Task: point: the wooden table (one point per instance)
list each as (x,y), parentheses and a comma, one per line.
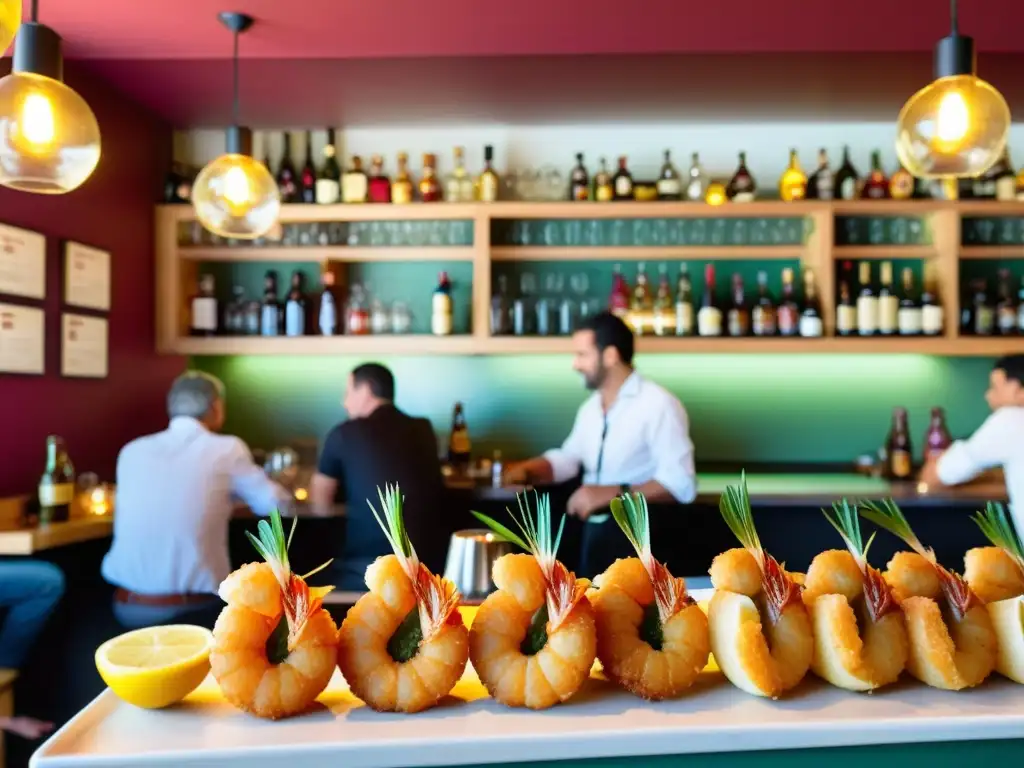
(16,539)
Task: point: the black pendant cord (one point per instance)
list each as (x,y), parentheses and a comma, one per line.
(235,108)
(35,11)
(954,17)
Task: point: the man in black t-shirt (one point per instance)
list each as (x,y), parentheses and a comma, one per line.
(380,444)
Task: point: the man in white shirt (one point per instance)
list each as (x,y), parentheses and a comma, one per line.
(630,435)
(999,441)
(175,492)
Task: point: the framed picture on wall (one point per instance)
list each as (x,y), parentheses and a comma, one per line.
(22,339)
(83,346)
(86,277)
(22,262)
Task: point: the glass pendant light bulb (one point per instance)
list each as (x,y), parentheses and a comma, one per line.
(235,196)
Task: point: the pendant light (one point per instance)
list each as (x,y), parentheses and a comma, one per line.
(10,20)
(49,138)
(235,195)
(958,125)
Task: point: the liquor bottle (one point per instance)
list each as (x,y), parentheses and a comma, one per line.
(579,180)
(741,187)
(204,308)
(286,173)
(253,317)
(357,312)
(846,310)
(669,186)
(763,316)
(488,183)
(789,311)
(640,305)
(603,188)
(888,303)
(1006,306)
(328,183)
(327,314)
(933,320)
(867,303)
(899,453)
(295,307)
(430,187)
(441,307)
(793,182)
(401,187)
(355,183)
(979,314)
(684,303)
(234,313)
(910,320)
(664,315)
(876,186)
(379,184)
(738,318)
(937,439)
(57,484)
(501,317)
(697,184)
(459,447)
(618,301)
(270,309)
(821,184)
(902,184)
(847,179)
(709,317)
(307,176)
(622,183)
(458,185)
(1005,179)
(811,325)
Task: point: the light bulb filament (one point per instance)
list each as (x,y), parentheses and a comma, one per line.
(953,118)
(37,123)
(237,190)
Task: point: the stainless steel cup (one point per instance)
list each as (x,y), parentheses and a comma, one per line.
(471,553)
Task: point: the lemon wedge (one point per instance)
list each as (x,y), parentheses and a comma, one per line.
(155,666)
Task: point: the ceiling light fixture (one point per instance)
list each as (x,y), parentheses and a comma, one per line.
(10,20)
(958,125)
(49,138)
(235,196)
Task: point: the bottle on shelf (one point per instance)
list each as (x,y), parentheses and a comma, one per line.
(788,313)
(603,187)
(793,182)
(937,439)
(846,310)
(684,302)
(738,317)
(579,180)
(888,303)
(327,313)
(501,315)
(1005,178)
(379,185)
(640,305)
(821,184)
(619,300)
(1006,307)
(763,319)
(328,183)
(664,313)
(234,313)
(459,447)
(459,184)
(622,183)
(430,187)
(697,182)
(847,180)
(811,325)
(270,309)
(876,186)
(380,318)
(57,484)
(286,184)
(933,320)
(401,187)
(307,176)
(204,308)
(357,312)
(295,306)
(900,456)
(253,317)
(741,187)
(669,186)
(709,316)
(910,318)
(488,183)
(979,315)
(867,303)
(441,307)
(902,184)
(1020,307)
(355,183)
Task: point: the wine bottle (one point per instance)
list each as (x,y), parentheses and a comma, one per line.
(669,186)
(741,187)
(459,446)
(937,439)
(307,177)
(640,304)
(876,186)
(902,184)
(709,317)
(663,314)
(619,299)
(738,319)
(898,448)
(328,183)
(355,183)
(888,304)
(286,173)
(579,181)
(821,184)
(697,184)
(441,307)
(459,184)
(1006,307)
(430,187)
(763,315)
(622,183)
(401,187)
(847,179)
(1006,180)
(270,309)
(789,311)
(327,316)
(846,310)
(57,485)
(204,308)
(379,185)
(933,321)
(910,315)
(295,307)
(867,303)
(684,303)
(811,325)
(488,183)
(793,182)
(603,189)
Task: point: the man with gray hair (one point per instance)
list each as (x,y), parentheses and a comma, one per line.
(175,497)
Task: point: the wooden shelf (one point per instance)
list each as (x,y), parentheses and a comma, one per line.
(643,252)
(882,252)
(343,253)
(383,344)
(992,252)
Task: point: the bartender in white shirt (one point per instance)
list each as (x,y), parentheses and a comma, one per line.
(998,442)
(175,497)
(630,435)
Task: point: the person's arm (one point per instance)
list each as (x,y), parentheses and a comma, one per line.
(251,484)
(26,727)
(675,477)
(329,476)
(985,449)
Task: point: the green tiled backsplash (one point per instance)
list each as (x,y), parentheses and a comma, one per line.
(882,230)
(722,232)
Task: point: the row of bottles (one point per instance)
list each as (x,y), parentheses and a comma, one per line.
(867,308)
(897,453)
(981,315)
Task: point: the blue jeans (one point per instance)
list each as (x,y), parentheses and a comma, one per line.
(29,591)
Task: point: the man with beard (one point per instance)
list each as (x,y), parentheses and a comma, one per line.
(629,435)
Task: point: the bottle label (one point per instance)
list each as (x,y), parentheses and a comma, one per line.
(764,322)
(270,320)
(669,187)
(604,193)
(737,323)
(623,186)
(459,443)
(826,184)
(294,319)
(848,189)
(811,326)
(695,190)
(789,321)
(488,187)
(932,319)
(911,321)
(984,321)
(901,186)
(204,313)
(743,197)
(846,318)
(901,464)
(358,321)
(328,315)
(401,192)
(379,320)
(441,316)
(867,315)
(1007,319)
(888,310)
(709,321)
(684,318)
(354,188)
(328,191)
(1006,187)
(54,495)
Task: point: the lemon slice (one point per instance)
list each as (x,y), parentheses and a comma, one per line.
(155,666)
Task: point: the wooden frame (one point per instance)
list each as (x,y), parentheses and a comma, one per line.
(96,297)
(176,272)
(27,277)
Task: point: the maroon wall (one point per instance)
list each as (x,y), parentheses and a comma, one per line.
(113,210)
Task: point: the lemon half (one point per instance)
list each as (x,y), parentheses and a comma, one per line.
(156,666)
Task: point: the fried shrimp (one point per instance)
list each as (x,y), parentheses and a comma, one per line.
(860,639)
(760,629)
(533,641)
(952,641)
(274,645)
(1002,579)
(652,638)
(403,645)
